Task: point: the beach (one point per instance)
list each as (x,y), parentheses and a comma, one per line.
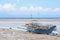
(10,34)
(16,23)
(18,30)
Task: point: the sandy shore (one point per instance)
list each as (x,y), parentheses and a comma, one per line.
(10,34)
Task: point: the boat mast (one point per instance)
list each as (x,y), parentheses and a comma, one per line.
(31,17)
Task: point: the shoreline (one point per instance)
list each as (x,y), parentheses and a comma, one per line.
(29,20)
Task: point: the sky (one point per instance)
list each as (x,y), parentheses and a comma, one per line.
(26,8)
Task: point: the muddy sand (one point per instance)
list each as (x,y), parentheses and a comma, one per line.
(11,34)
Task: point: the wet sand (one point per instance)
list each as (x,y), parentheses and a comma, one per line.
(11,34)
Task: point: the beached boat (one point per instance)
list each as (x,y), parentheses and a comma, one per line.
(40,28)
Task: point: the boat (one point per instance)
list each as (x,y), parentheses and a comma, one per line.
(36,27)
(40,28)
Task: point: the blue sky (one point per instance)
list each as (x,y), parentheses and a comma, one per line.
(24,8)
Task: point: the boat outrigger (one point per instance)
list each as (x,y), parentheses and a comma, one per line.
(36,27)
(39,28)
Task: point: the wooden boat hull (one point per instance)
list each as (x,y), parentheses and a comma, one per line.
(41,31)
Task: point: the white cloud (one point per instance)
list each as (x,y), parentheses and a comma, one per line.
(31,8)
(8,7)
(0,7)
(56,10)
(12,7)
(23,9)
(35,9)
(40,8)
(48,9)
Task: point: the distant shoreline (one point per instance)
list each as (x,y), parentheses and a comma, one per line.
(29,18)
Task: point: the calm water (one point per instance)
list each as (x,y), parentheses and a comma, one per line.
(18,24)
